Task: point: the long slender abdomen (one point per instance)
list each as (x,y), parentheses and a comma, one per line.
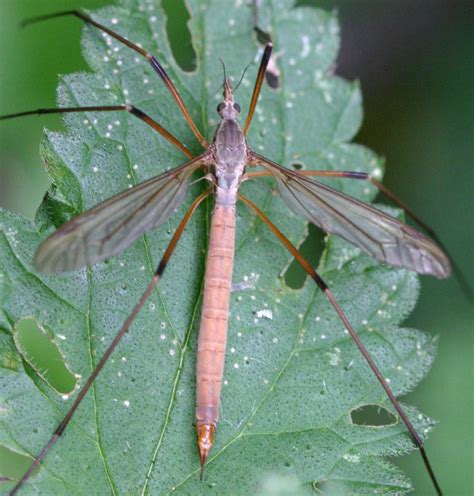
(214,322)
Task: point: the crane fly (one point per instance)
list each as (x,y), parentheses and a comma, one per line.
(225,163)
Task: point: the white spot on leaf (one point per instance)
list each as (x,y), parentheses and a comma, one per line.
(267,313)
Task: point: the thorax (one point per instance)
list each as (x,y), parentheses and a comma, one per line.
(230,158)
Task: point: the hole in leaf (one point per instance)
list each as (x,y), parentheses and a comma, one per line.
(312,248)
(179,36)
(372,416)
(297,165)
(43,355)
(329,488)
(12,464)
(272,74)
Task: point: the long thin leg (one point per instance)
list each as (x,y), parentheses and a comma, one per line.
(113,108)
(157,67)
(258,84)
(125,327)
(364,176)
(324,288)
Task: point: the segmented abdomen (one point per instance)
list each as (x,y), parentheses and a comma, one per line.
(214,319)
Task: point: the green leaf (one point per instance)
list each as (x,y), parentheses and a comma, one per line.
(293,376)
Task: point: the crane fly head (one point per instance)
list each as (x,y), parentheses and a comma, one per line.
(228,109)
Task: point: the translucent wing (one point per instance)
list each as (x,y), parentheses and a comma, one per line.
(111,226)
(375,232)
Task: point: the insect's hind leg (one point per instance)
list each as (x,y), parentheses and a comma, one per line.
(329,295)
(106,108)
(157,67)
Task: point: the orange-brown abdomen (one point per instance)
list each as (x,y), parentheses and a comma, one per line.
(214,322)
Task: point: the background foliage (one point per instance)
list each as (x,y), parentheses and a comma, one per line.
(416,115)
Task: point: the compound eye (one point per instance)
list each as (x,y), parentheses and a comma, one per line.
(237,107)
(220,107)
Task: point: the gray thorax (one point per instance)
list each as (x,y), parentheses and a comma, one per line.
(230,154)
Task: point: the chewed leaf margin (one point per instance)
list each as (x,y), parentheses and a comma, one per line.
(292,374)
